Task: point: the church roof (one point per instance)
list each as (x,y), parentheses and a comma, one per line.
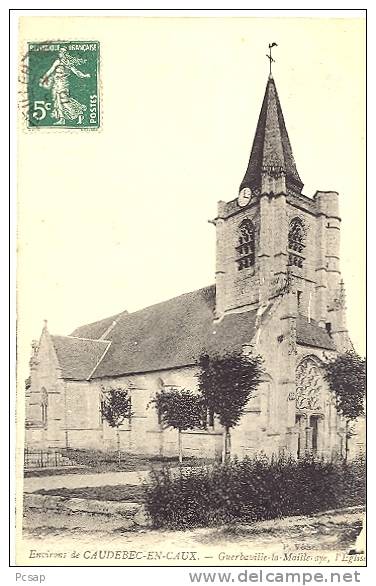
(78,357)
(96,329)
(271,150)
(171,334)
(167,335)
(309,333)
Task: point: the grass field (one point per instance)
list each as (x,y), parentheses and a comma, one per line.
(93,461)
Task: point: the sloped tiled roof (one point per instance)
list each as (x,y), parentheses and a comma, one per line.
(271,149)
(96,329)
(78,357)
(311,334)
(172,334)
(167,335)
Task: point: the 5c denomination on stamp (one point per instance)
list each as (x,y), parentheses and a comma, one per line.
(63,84)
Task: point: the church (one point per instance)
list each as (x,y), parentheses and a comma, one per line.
(278,293)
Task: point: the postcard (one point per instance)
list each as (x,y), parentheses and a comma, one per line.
(191,291)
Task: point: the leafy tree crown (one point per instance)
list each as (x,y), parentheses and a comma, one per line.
(179,408)
(346,376)
(116,406)
(227,383)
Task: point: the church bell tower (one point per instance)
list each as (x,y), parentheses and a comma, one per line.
(272,233)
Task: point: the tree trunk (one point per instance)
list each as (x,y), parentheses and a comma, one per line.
(346,439)
(180,443)
(225,438)
(118,445)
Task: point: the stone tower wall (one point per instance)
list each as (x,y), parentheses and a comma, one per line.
(318,280)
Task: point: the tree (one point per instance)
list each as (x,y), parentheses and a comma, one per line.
(226,384)
(116,407)
(346,376)
(181,409)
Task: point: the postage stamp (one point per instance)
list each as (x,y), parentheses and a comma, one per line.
(62,84)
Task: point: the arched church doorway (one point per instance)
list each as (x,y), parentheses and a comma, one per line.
(310,416)
(309,434)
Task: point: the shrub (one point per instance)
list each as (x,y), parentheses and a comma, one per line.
(251,490)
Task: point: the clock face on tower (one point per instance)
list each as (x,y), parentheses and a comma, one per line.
(245,196)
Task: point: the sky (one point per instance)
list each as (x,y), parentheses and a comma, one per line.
(117,218)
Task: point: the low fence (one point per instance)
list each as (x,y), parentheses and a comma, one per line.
(34,458)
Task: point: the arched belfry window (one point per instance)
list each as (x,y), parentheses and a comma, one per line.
(246,245)
(296,244)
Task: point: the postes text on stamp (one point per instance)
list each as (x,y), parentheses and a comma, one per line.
(62,85)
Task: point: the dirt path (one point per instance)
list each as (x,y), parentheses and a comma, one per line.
(316,539)
(32,484)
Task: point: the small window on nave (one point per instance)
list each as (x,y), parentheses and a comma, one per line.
(296,242)
(44,407)
(299,300)
(246,245)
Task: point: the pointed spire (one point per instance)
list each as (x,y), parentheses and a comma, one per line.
(271,151)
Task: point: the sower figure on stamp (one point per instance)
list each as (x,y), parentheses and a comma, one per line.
(57,79)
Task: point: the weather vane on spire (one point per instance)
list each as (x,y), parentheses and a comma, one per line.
(271,60)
